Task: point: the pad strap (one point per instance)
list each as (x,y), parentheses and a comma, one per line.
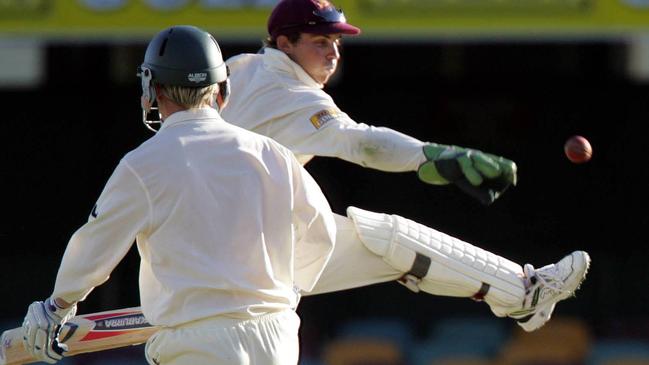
(479,296)
(420,266)
(419,269)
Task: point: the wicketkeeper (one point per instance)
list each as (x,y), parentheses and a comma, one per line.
(278,93)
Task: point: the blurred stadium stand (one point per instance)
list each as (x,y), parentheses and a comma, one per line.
(619,351)
(563,341)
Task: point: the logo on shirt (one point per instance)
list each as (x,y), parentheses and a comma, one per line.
(322,117)
(197,76)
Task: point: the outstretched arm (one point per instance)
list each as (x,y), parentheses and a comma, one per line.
(481,175)
(378,148)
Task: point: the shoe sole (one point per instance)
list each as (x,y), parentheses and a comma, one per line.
(585,257)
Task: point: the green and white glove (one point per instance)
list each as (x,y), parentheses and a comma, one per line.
(482,175)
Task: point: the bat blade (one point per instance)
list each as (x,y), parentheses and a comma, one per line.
(85,333)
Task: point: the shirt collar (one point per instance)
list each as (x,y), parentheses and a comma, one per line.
(190,114)
(278,60)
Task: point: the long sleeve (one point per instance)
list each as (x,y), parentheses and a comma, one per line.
(379,148)
(99,245)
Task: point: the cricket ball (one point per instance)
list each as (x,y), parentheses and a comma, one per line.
(578,149)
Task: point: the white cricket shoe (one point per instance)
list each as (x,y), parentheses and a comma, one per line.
(549,285)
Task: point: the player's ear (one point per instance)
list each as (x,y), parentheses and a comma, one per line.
(159,93)
(284,44)
(223,94)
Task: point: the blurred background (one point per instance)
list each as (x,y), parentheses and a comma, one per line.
(511,77)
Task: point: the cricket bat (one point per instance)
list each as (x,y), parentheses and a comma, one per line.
(85,333)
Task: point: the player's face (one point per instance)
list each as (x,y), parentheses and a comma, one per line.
(317,54)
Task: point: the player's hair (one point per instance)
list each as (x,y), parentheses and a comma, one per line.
(191,97)
(293,37)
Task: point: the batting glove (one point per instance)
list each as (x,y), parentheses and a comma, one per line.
(41,329)
(483,176)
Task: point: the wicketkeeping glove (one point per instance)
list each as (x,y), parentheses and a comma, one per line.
(481,175)
(41,329)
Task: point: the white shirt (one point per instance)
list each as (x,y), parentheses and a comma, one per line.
(274,96)
(227,223)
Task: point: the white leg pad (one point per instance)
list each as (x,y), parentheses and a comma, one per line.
(454,268)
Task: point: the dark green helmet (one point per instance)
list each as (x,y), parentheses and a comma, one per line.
(185,56)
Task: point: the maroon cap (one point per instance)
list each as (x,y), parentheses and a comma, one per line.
(308,16)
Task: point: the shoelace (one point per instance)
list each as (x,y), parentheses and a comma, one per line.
(547,279)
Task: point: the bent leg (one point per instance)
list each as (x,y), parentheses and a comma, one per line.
(374,247)
(351,264)
(439,264)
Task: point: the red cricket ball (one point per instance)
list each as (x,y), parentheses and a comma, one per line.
(578,149)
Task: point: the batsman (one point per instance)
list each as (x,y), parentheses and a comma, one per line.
(229,226)
(278,92)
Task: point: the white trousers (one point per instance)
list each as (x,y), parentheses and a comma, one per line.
(351,264)
(271,339)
